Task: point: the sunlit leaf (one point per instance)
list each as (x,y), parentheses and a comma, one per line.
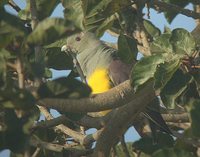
(182,41)
(145,69)
(161,44)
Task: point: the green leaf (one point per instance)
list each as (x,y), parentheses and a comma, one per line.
(13,21)
(10,27)
(190,93)
(64,88)
(17,98)
(145,69)
(183,42)
(13,137)
(16,134)
(164,73)
(127,49)
(44,9)
(146,145)
(97,12)
(195,117)
(120,151)
(58,60)
(151,28)
(50,30)
(127,19)
(106,24)
(161,44)
(74,12)
(174,88)
(172,152)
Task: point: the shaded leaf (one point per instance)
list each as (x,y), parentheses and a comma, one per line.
(74,12)
(190,93)
(16,134)
(182,41)
(147,146)
(174,88)
(64,88)
(44,9)
(106,24)
(13,137)
(50,30)
(120,151)
(195,117)
(58,60)
(14,22)
(97,12)
(17,98)
(172,152)
(151,29)
(127,49)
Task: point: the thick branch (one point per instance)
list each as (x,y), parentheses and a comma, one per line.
(115,97)
(117,125)
(176,118)
(162,6)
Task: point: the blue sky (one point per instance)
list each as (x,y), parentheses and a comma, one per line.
(180,21)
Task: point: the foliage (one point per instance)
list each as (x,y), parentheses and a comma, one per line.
(28,53)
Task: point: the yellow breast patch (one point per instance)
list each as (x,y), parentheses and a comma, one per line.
(99,81)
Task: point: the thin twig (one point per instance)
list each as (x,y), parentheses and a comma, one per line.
(34,15)
(19,68)
(37,151)
(14,5)
(57,147)
(124,147)
(76,135)
(11,65)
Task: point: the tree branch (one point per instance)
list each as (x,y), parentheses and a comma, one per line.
(76,135)
(128,113)
(14,5)
(115,97)
(176,118)
(57,147)
(162,6)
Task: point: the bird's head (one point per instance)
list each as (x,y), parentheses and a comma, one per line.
(77,43)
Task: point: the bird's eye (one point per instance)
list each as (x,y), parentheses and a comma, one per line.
(78,39)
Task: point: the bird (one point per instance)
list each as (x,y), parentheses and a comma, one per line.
(103,69)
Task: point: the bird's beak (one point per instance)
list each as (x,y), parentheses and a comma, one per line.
(64,48)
